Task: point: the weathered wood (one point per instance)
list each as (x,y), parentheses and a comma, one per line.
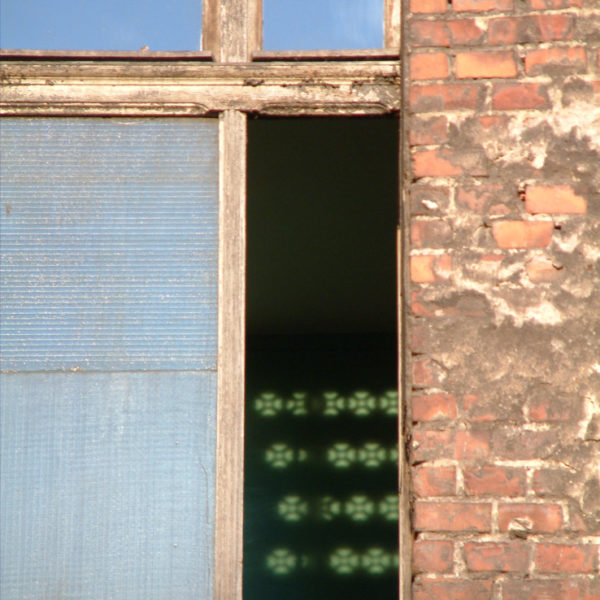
(326,55)
(404,527)
(231,357)
(96,55)
(392,12)
(172,88)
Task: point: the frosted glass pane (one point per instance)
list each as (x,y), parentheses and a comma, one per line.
(323,24)
(101,25)
(108,339)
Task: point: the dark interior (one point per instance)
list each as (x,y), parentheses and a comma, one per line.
(321,457)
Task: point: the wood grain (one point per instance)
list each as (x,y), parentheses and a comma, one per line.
(231,357)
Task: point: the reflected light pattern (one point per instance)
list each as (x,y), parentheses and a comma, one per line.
(361,403)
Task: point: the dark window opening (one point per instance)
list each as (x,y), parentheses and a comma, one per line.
(321,504)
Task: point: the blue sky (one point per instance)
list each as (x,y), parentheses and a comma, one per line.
(176,24)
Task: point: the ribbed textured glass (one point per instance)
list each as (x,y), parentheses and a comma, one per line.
(108,287)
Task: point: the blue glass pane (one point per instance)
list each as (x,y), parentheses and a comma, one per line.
(100,25)
(323,24)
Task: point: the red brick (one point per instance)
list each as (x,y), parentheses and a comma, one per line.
(542,518)
(504,30)
(554,199)
(482,5)
(449,162)
(429,233)
(430,65)
(434,556)
(472,444)
(434,481)
(452,516)
(432,444)
(504,557)
(432,407)
(449,589)
(566,558)
(549,60)
(550,589)
(522,234)
(493,480)
(439,97)
(428,131)
(465,31)
(429,268)
(435,163)
(545,4)
(542,270)
(428,6)
(554,27)
(508,96)
(485,65)
(446,33)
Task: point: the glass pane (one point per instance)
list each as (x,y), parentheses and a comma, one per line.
(100,24)
(323,24)
(108,289)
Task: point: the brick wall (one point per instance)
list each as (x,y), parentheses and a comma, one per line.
(503,190)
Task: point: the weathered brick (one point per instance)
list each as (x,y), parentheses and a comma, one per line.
(566,558)
(429,200)
(434,480)
(475,408)
(466,32)
(430,444)
(429,33)
(428,6)
(429,65)
(435,163)
(524,95)
(434,556)
(530,28)
(485,65)
(429,268)
(432,407)
(493,480)
(554,199)
(472,444)
(424,131)
(426,373)
(515,443)
(552,482)
(482,5)
(542,270)
(535,518)
(439,97)
(449,589)
(552,60)
(550,4)
(504,557)
(452,516)
(550,589)
(545,407)
(522,234)
(429,233)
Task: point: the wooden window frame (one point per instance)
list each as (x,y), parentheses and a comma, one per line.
(229,78)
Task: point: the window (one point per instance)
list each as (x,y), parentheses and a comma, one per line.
(231,79)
